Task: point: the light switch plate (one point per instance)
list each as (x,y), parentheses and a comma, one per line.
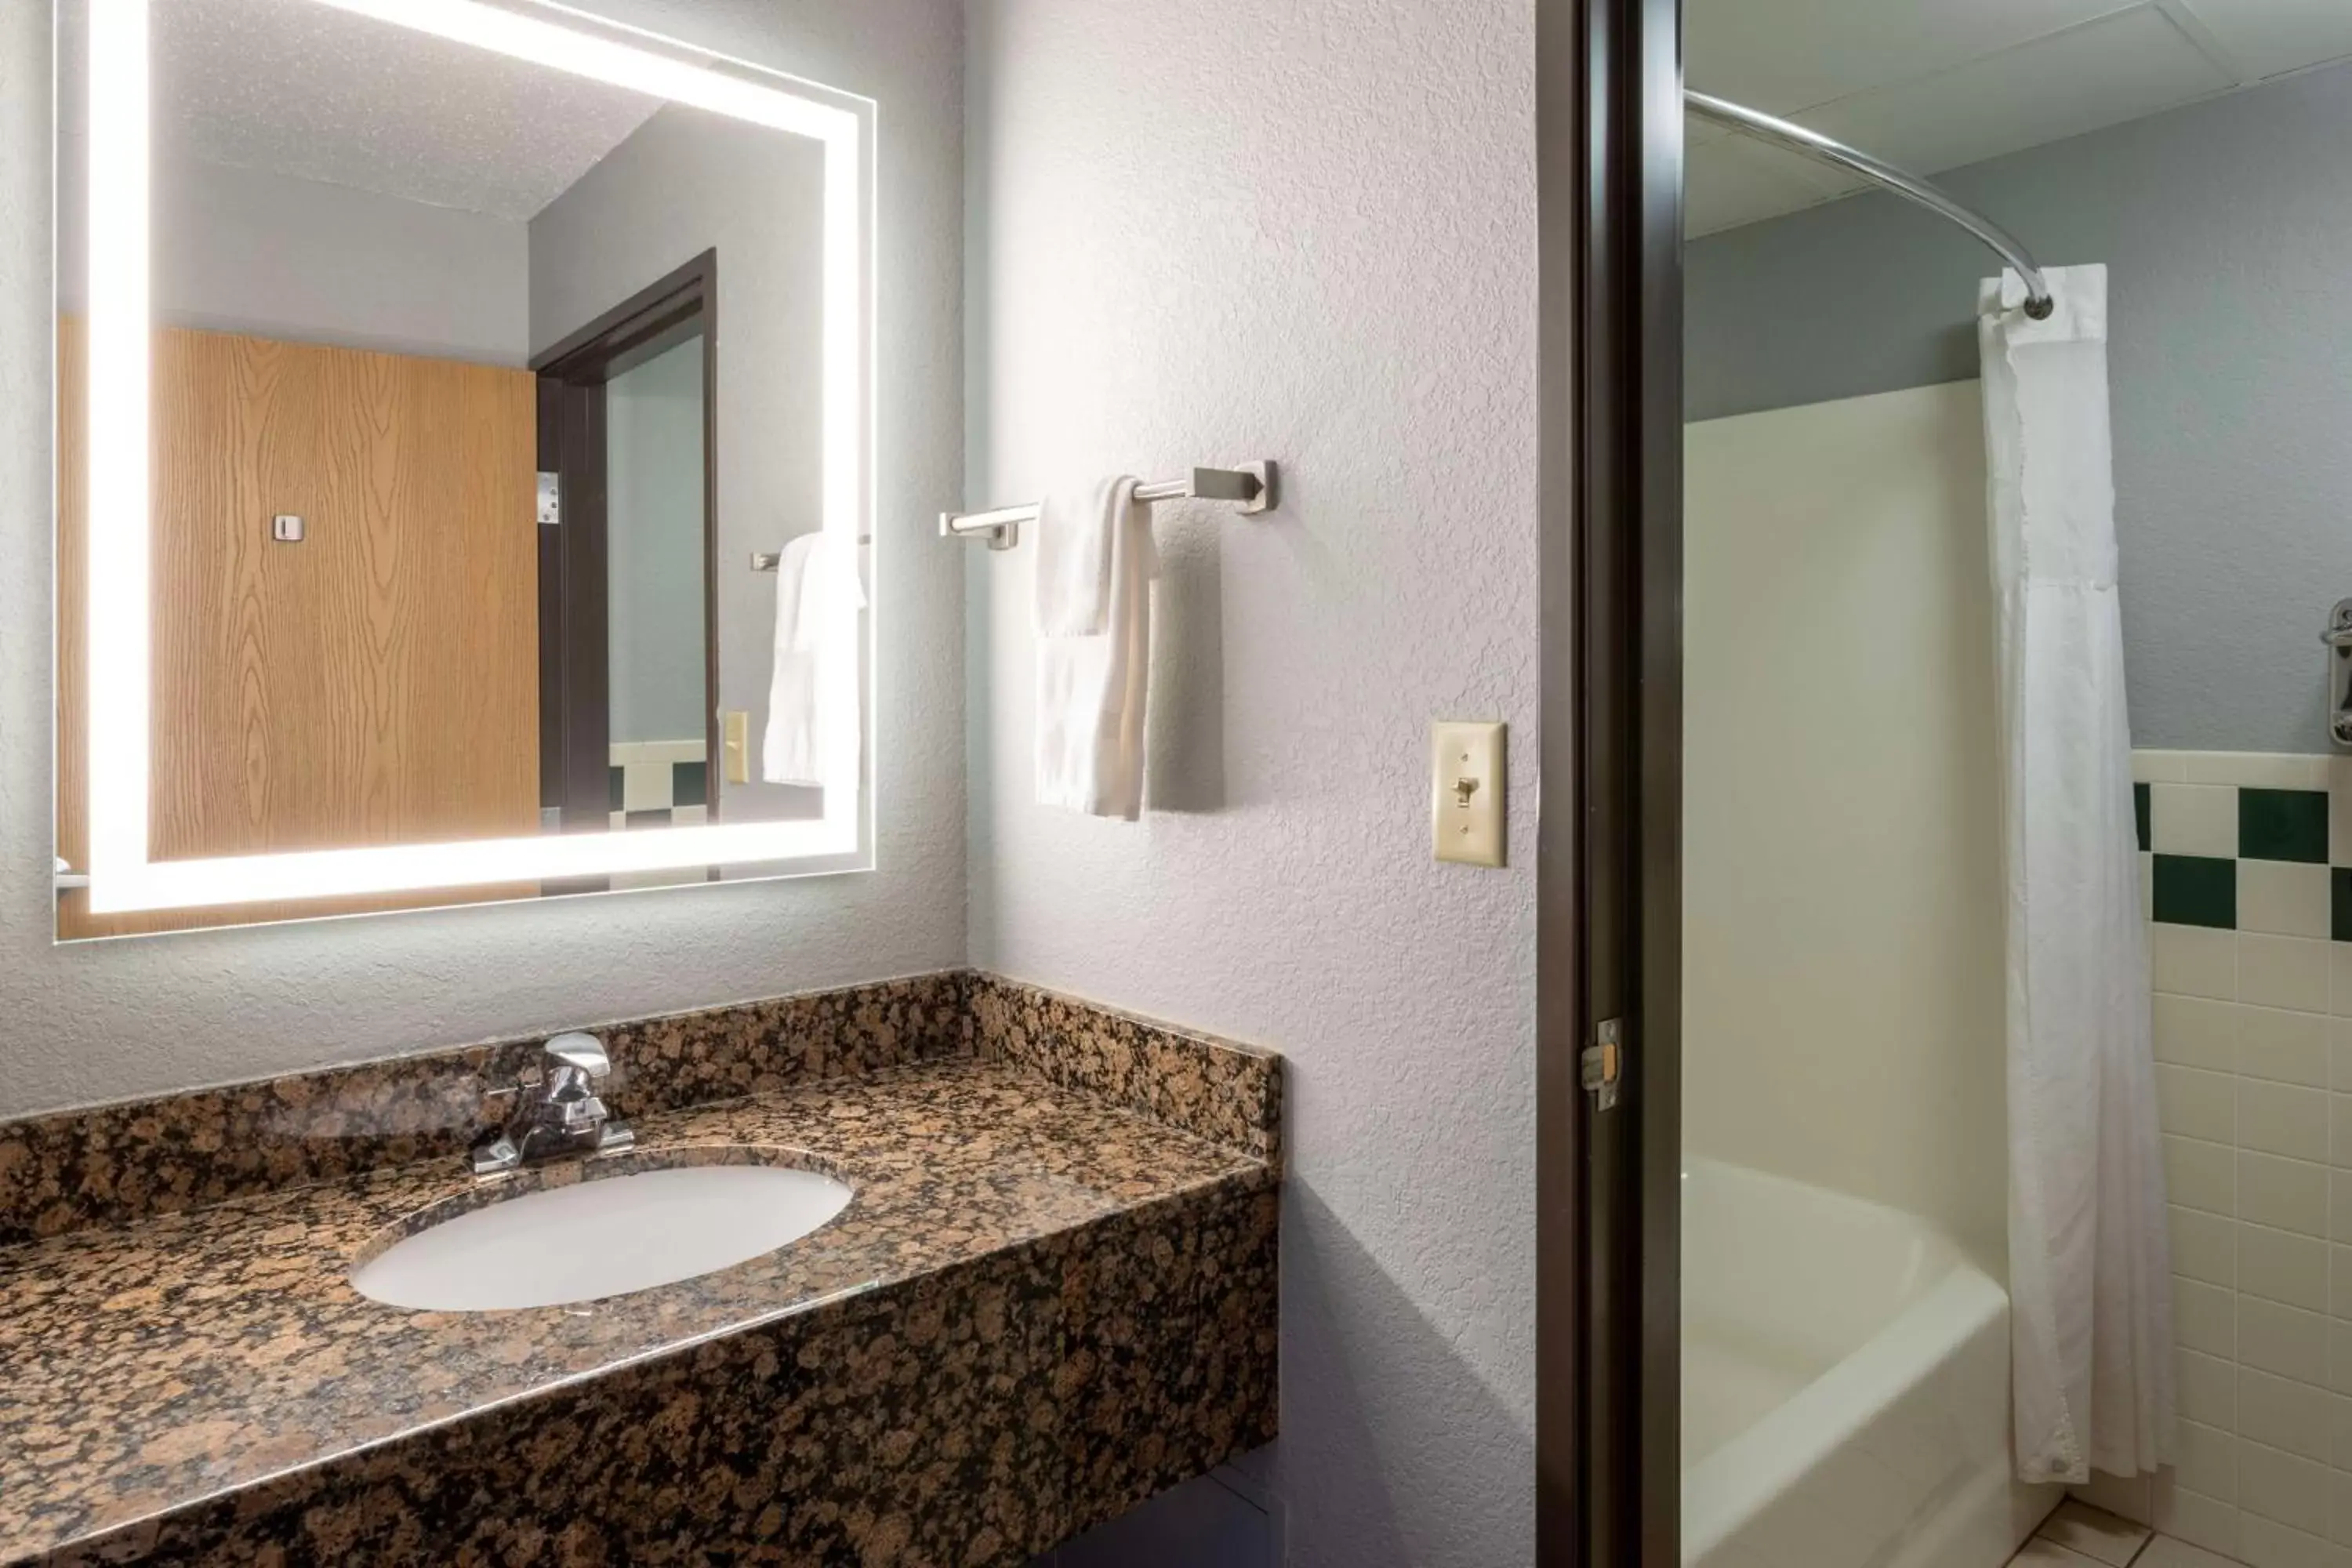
(1466,787)
(735,739)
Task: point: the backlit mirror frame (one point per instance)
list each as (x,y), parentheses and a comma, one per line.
(122,878)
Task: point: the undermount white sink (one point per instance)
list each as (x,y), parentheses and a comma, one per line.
(609,1237)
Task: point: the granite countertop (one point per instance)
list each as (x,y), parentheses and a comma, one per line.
(147,1367)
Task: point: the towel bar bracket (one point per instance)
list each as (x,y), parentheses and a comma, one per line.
(1252,489)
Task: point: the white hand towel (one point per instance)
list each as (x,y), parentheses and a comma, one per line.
(1074,559)
(1095,561)
(814,733)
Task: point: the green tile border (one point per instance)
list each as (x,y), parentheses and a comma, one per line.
(2197,890)
(2283,824)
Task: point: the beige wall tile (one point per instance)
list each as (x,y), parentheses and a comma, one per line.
(2284,1119)
(2204,1247)
(2195,1518)
(2287,1047)
(2279,1266)
(2209,1461)
(2339,1042)
(2284,1487)
(2281,1413)
(2190,961)
(2283,896)
(2159,767)
(2198,1032)
(2283,971)
(2266,1543)
(2201,1175)
(2208,1389)
(2205,1317)
(2193,819)
(2255,770)
(2197,1104)
(2339,978)
(2286,1194)
(2283,1340)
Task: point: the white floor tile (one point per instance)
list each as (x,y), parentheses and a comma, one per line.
(2041,1553)
(2094,1534)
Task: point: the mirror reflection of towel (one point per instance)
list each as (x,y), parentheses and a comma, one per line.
(813,737)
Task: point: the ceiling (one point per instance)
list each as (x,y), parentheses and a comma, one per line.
(302,88)
(1931,85)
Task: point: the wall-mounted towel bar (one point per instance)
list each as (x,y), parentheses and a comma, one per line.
(770,559)
(1252,487)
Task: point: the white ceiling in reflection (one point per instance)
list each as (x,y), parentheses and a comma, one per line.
(293,87)
(1936,84)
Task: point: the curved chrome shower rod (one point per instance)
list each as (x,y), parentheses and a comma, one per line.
(1814,144)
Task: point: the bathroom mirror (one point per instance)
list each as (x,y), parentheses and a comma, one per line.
(464,481)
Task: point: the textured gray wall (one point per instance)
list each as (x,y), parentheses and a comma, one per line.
(2227,231)
(102,1020)
(1304,231)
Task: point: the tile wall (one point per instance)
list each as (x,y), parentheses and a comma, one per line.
(660,784)
(2248,879)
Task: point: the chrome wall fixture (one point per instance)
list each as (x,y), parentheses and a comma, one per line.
(774,560)
(1251,486)
(2338,638)
(1811,143)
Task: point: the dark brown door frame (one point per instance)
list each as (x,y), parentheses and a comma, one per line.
(1608,1445)
(575,755)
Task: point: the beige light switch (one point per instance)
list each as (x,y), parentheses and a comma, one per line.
(1466,789)
(736,742)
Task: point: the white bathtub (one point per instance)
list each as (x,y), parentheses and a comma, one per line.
(1845,1386)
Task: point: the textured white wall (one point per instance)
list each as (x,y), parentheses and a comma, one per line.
(1305,231)
(98,1021)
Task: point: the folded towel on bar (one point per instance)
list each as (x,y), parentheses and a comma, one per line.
(814,733)
(1095,561)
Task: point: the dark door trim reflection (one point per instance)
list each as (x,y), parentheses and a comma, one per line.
(1609,883)
(575,713)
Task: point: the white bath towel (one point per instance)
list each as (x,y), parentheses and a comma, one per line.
(1095,561)
(814,733)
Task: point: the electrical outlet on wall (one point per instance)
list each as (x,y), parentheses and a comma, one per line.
(1466,787)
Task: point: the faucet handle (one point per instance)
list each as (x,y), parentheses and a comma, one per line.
(584,1053)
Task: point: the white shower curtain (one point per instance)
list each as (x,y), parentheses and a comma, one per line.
(2090,1274)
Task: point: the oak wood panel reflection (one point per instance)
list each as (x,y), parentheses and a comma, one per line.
(376,683)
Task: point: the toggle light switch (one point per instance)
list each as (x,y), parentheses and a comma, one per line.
(1466,793)
(735,742)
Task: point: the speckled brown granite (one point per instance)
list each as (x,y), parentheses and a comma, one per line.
(1227,1093)
(119,1163)
(1038,1308)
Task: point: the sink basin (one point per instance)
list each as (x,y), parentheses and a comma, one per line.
(608,1236)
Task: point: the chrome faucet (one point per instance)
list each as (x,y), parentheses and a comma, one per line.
(560,1111)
